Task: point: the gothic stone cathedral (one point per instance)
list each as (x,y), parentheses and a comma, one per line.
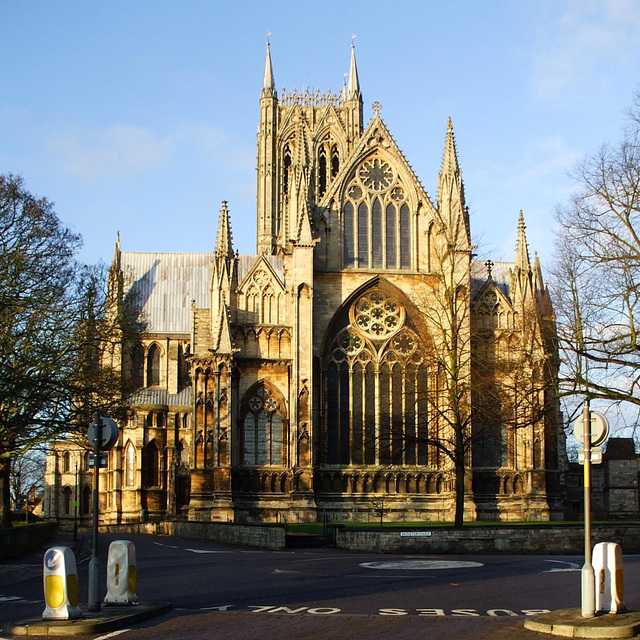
(330,372)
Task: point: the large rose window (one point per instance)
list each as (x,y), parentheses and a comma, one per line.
(377,315)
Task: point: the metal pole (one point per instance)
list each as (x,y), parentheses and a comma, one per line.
(75,508)
(588,577)
(94,563)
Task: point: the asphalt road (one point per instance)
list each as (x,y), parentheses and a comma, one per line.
(231,592)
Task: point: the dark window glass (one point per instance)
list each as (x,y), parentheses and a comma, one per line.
(349,236)
(363,236)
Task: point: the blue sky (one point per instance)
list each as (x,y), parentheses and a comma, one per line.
(141,116)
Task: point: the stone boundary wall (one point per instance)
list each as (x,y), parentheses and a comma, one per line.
(554,539)
(247,535)
(20,539)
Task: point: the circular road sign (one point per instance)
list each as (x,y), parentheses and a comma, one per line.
(599,429)
(109,433)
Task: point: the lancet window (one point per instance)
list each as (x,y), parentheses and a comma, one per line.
(263,428)
(376,219)
(376,387)
(328,165)
(153,366)
(129,465)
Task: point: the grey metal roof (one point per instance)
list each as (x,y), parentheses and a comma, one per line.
(159,396)
(246,262)
(500,272)
(162,285)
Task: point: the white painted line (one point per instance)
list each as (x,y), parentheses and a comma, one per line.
(113,634)
(572,566)
(422,565)
(284,571)
(206,551)
(368,576)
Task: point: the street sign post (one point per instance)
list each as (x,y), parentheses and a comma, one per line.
(102,434)
(591,429)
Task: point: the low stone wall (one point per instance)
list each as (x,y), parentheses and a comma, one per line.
(266,536)
(551,539)
(20,539)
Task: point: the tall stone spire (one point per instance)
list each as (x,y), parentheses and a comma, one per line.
(224,244)
(353,102)
(451,201)
(268,82)
(522,248)
(116,254)
(353,86)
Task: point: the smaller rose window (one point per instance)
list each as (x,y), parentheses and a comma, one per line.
(376,174)
(404,343)
(350,343)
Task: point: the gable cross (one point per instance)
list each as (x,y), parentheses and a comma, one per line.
(489,264)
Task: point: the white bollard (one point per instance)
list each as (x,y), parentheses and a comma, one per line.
(121,573)
(60,585)
(607,566)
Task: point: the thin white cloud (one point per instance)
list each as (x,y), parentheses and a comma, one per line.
(536,184)
(116,152)
(580,46)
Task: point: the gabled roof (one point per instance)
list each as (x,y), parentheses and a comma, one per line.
(500,272)
(247,261)
(161,286)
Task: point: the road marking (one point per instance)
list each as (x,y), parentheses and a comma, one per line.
(421,613)
(283,571)
(422,565)
(572,566)
(9,598)
(206,551)
(369,576)
(113,634)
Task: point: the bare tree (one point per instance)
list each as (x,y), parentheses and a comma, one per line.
(54,326)
(27,477)
(597,274)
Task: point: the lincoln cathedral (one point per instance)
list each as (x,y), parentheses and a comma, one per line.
(356,361)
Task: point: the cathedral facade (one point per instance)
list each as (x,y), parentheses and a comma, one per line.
(354,364)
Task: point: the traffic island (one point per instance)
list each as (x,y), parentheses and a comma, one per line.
(105,620)
(569,623)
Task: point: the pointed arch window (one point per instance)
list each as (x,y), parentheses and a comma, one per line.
(405,237)
(322,172)
(151,465)
(137,366)
(377,388)
(377,220)
(363,236)
(349,236)
(85,504)
(335,161)
(130,465)
(286,164)
(263,429)
(153,366)
(376,234)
